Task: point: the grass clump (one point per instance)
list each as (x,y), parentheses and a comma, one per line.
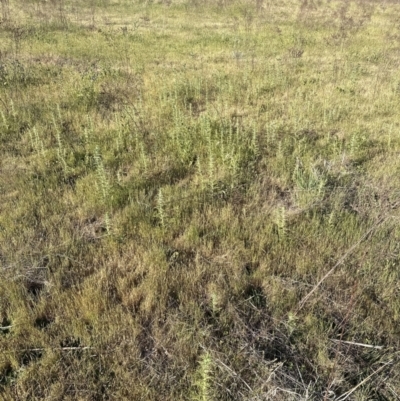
(199,198)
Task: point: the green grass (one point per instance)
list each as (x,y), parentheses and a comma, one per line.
(199,200)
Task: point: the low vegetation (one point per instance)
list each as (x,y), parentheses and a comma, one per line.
(199,200)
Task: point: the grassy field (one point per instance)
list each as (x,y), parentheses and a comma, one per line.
(199,200)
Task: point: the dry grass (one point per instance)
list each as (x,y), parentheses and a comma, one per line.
(199,200)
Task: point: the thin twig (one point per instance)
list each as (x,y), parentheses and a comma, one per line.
(392,391)
(233,373)
(5,327)
(60,348)
(358,344)
(287,391)
(341,260)
(348,393)
(230,370)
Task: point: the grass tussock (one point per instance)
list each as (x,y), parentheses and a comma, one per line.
(199,200)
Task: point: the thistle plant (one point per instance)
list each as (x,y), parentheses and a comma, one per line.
(310,184)
(107,223)
(36,142)
(86,136)
(234,166)
(4,120)
(143,157)
(355,143)
(12,107)
(331,219)
(61,152)
(204,382)
(161,207)
(211,170)
(279,151)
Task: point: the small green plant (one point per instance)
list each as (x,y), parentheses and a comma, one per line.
(309,184)
(211,170)
(356,142)
(331,219)
(61,151)
(4,120)
(204,380)
(36,142)
(107,223)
